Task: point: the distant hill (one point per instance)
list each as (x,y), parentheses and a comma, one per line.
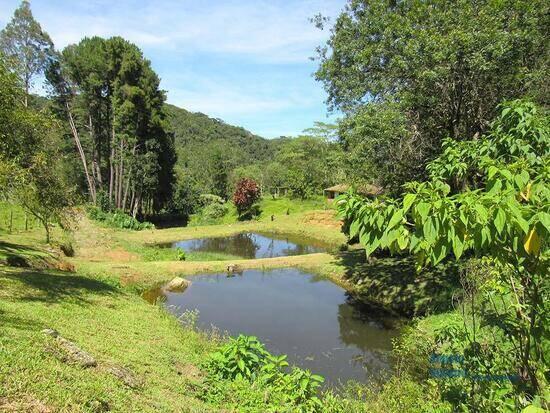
(195,130)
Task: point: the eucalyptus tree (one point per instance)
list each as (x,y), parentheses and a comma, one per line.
(434,68)
(26,46)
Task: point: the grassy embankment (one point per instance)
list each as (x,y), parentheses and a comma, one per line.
(94,309)
(98,309)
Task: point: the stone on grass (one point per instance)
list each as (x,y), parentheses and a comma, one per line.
(178,284)
(125,375)
(69,351)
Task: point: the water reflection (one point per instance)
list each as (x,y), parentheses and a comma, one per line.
(315,322)
(253,245)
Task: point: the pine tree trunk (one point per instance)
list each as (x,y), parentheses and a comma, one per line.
(121,175)
(91,184)
(111,166)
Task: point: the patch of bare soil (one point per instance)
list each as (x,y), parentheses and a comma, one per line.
(323,218)
(26,404)
(120,255)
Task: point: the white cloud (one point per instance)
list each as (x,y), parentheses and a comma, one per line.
(270,31)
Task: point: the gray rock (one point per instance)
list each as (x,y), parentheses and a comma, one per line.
(69,351)
(125,375)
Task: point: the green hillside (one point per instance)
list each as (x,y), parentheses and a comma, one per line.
(195,128)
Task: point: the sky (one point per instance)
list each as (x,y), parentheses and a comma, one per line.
(246,62)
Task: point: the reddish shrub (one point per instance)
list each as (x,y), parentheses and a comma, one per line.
(246,194)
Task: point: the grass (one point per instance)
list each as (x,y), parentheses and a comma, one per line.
(117,327)
(269,207)
(98,309)
(14,219)
(165,253)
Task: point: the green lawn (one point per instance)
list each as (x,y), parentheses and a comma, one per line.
(14,219)
(100,310)
(118,328)
(268,207)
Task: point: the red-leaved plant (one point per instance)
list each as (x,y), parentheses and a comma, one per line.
(247,192)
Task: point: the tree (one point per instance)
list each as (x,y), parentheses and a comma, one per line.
(307,160)
(253,171)
(29,160)
(276,177)
(503,213)
(442,65)
(246,194)
(26,46)
(111,98)
(43,193)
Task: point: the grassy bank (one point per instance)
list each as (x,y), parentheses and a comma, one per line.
(115,326)
(96,307)
(267,207)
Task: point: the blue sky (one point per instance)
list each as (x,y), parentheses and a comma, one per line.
(246,62)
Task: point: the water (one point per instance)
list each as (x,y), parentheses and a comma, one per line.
(253,245)
(313,321)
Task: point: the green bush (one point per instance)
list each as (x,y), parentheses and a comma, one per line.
(214,211)
(180,254)
(243,374)
(118,219)
(209,199)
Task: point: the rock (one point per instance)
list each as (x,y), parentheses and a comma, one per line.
(51,332)
(69,351)
(178,284)
(65,266)
(125,375)
(234,269)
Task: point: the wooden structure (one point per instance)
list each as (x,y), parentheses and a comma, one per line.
(366,190)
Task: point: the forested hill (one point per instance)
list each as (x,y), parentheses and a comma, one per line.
(194,129)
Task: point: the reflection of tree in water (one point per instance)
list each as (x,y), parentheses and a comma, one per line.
(366,328)
(242,245)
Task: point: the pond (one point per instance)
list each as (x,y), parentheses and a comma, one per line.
(253,245)
(313,321)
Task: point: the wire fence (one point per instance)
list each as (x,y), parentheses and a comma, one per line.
(13,218)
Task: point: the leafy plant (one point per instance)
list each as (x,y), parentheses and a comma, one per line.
(241,358)
(503,214)
(245,363)
(118,219)
(180,254)
(247,192)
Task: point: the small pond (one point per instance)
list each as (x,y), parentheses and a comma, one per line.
(312,320)
(253,245)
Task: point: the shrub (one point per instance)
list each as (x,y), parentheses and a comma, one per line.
(246,194)
(118,219)
(214,211)
(244,374)
(180,254)
(208,199)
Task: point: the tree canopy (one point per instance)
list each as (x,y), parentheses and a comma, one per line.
(430,70)
(110,96)
(26,46)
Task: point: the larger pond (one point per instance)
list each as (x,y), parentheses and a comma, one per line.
(254,245)
(312,320)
